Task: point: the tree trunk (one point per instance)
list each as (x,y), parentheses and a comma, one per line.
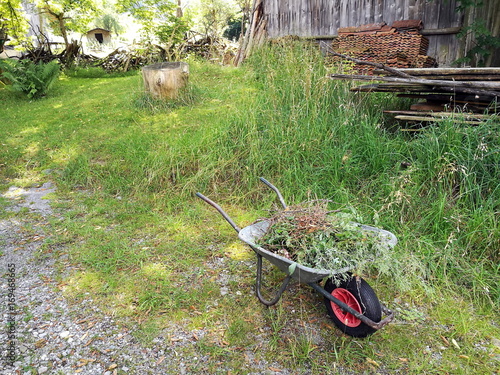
(163,80)
(3,38)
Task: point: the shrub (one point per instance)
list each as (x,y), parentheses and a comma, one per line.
(32,79)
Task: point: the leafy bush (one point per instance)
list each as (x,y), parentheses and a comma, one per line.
(34,80)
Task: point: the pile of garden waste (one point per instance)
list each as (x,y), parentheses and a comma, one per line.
(312,236)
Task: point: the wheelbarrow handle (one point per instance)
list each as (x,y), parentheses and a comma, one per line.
(221,211)
(275,190)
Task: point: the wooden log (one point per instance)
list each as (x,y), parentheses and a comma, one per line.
(487,88)
(446,71)
(454,115)
(432,119)
(394,87)
(163,80)
(443,31)
(465,77)
(468,74)
(445,98)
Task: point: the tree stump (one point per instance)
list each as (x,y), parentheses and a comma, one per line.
(163,80)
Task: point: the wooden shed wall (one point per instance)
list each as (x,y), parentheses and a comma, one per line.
(307,18)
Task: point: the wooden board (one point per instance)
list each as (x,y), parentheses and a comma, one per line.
(442,114)
(431,119)
(448,71)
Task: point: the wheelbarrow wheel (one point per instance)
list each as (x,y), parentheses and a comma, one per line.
(356,293)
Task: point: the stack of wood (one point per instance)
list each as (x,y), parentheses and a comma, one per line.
(400,45)
(213,49)
(125,59)
(469,95)
(43,53)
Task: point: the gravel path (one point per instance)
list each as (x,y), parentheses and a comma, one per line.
(51,336)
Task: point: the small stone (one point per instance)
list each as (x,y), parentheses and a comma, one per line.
(496,342)
(43,369)
(64,334)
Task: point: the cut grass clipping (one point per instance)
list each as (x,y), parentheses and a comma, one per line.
(315,237)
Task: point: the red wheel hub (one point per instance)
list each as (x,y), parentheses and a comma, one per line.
(348,298)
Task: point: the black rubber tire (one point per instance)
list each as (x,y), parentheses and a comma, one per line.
(367,300)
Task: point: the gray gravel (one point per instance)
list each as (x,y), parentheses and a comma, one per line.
(53,336)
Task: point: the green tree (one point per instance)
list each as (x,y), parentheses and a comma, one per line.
(13,22)
(68,15)
(109,21)
(245,9)
(162,19)
(149,13)
(214,15)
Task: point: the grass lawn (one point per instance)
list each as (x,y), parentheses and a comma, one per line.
(157,258)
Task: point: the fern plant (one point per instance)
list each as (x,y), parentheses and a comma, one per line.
(34,80)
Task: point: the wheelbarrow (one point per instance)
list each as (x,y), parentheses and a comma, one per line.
(351,302)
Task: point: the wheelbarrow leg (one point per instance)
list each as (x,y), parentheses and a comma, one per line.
(259,281)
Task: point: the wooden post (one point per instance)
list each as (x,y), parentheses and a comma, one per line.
(163,80)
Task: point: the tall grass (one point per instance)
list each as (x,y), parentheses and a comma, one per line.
(300,129)
(314,137)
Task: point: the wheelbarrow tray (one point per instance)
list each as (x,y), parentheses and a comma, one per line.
(252,233)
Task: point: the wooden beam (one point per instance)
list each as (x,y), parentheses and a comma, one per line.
(446,71)
(486,88)
(490,70)
(319,37)
(454,115)
(443,31)
(431,119)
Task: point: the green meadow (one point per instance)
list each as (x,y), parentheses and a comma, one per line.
(152,254)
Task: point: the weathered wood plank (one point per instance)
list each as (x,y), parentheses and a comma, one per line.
(432,119)
(479,85)
(466,116)
(447,71)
